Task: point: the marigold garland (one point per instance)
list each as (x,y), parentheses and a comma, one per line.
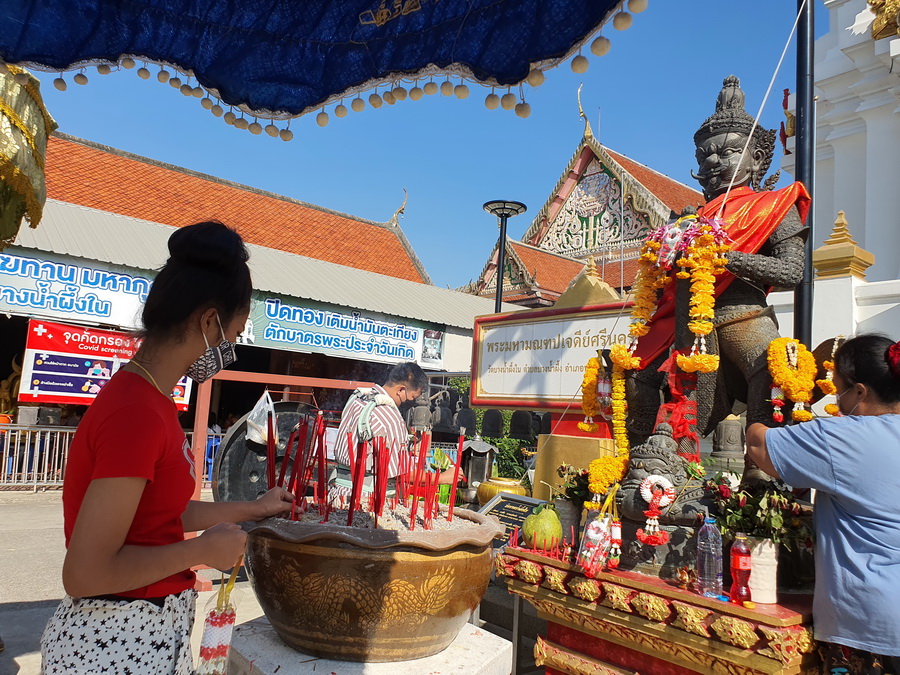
(793,369)
(827,385)
(705,258)
(604,472)
(589,404)
(702,245)
(619,412)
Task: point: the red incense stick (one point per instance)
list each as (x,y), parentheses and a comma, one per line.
(270,451)
(322,491)
(358,477)
(299,462)
(459,453)
(286,460)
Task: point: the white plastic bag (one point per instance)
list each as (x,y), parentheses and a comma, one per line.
(258,420)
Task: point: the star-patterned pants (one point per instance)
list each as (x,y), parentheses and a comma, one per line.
(88,636)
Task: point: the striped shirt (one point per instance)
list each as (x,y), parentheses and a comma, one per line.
(384,420)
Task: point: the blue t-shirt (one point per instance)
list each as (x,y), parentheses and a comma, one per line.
(854,464)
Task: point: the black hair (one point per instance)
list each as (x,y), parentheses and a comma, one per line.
(207,268)
(864,360)
(409,374)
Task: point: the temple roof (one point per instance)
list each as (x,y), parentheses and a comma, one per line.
(550,271)
(99,177)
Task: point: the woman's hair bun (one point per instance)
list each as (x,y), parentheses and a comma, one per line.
(211,245)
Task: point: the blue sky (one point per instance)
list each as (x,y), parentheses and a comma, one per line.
(650,93)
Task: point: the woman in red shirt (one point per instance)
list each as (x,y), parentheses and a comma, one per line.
(130,477)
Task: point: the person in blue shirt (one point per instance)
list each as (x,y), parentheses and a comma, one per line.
(853,463)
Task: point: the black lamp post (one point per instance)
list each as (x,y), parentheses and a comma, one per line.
(503,210)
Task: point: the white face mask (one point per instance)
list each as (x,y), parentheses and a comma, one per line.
(838,399)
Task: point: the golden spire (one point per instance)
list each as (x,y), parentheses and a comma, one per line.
(588,132)
(840,256)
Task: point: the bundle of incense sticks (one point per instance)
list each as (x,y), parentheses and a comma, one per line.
(358,472)
(424,444)
(298,479)
(381,468)
(270,451)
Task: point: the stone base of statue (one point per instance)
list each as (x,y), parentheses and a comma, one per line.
(257,650)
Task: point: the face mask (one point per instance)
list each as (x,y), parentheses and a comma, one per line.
(837,397)
(213,359)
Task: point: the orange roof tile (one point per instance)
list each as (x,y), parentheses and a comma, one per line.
(552,272)
(673,194)
(111,180)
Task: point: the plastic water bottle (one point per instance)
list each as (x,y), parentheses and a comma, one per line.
(709,559)
(740,569)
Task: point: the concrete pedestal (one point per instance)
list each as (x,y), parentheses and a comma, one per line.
(257,650)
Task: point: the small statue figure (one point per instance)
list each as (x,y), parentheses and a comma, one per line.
(767,251)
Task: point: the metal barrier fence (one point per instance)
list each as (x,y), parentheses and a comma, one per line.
(33,458)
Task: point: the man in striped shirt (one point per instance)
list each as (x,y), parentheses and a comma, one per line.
(404,383)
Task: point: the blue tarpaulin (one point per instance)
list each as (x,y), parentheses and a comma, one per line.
(291,56)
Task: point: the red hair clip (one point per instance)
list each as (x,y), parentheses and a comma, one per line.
(892,356)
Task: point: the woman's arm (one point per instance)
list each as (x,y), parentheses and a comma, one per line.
(757,450)
(98,562)
(202,515)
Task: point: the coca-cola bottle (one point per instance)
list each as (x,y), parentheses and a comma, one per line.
(740,569)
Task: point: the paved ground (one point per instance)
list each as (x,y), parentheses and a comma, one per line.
(31,556)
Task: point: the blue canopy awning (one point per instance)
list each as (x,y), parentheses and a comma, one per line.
(283,58)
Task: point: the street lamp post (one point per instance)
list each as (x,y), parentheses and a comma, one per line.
(503,210)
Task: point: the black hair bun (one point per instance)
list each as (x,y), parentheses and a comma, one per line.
(211,245)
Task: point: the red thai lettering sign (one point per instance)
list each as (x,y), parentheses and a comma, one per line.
(71,364)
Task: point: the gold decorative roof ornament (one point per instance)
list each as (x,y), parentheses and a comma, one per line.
(588,289)
(887,18)
(25,125)
(840,255)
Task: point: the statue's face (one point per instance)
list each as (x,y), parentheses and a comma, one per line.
(720,157)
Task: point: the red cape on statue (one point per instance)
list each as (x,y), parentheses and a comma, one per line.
(750,219)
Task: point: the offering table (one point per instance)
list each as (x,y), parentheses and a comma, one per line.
(624,622)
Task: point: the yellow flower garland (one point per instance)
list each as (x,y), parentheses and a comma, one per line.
(827,385)
(619,411)
(604,472)
(590,406)
(705,258)
(796,380)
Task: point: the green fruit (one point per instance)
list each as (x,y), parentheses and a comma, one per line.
(542,529)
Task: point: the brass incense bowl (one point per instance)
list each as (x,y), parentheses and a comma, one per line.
(358,594)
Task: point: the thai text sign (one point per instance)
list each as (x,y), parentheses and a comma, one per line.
(50,286)
(537,359)
(278,323)
(71,364)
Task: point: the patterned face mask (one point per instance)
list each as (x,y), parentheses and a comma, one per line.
(213,359)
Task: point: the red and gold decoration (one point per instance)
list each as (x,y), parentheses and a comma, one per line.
(793,370)
(638,623)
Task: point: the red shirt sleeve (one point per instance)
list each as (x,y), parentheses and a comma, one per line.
(129,444)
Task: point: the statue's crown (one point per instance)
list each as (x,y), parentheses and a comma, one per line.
(730,115)
(660,444)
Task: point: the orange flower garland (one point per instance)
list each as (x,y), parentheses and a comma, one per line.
(793,370)
(604,472)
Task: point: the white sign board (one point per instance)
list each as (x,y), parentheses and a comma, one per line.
(537,359)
